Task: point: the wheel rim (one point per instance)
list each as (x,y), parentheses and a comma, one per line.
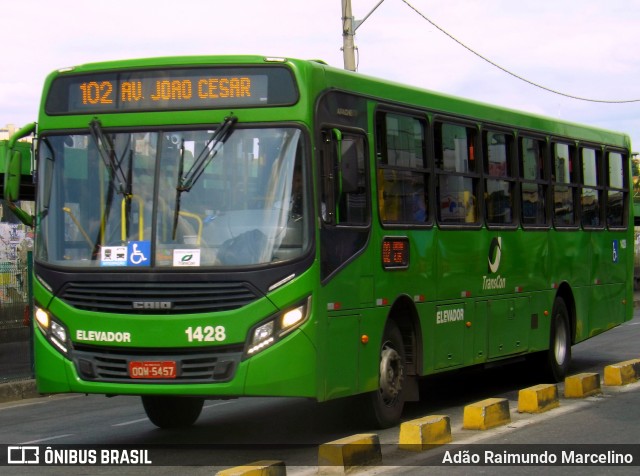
(560,345)
(391,374)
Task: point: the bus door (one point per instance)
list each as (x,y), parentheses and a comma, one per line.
(346,268)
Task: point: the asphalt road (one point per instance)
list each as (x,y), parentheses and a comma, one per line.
(235,432)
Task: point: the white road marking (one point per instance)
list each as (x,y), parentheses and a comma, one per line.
(57,437)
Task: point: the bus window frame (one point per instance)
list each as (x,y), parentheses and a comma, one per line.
(573,183)
(600,186)
(511,177)
(626,192)
(544,180)
(428,169)
(476,175)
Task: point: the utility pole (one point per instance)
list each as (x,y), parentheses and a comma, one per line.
(349,27)
(348,32)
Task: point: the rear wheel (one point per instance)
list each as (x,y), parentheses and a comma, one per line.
(172,412)
(559,353)
(387,402)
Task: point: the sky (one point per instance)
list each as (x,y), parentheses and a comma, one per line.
(583,48)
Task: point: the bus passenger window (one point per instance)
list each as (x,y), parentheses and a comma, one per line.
(499,187)
(534,178)
(617,200)
(402,171)
(457,177)
(564,188)
(590,193)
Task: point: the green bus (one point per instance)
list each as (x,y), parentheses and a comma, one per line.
(219,227)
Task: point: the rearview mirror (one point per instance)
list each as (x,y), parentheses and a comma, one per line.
(13,163)
(12,175)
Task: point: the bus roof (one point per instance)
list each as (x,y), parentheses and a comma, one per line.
(449,105)
(328,77)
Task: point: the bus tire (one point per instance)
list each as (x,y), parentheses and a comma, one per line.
(558,357)
(172,412)
(387,402)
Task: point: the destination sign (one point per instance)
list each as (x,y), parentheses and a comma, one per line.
(395,252)
(173,89)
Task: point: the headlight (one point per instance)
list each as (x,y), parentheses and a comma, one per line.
(55,332)
(269,332)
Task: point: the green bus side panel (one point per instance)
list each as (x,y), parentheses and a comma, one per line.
(570,258)
(461,263)
(509,325)
(343,339)
(525,263)
(601,307)
(449,335)
(351,364)
(539,312)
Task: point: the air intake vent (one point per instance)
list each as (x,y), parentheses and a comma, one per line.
(158,298)
(192,366)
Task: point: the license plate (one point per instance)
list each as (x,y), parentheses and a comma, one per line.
(152,369)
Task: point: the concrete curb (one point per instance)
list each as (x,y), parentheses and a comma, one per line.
(425,433)
(18,390)
(538,399)
(622,373)
(348,454)
(259,468)
(582,385)
(486,414)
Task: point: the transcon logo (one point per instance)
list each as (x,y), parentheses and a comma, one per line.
(152,304)
(495,253)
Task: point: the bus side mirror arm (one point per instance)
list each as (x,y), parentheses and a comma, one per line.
(13,174)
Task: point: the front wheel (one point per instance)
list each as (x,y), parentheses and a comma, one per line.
(387,402)
(172,412)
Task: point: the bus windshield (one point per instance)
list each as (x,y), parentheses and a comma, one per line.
(172,198)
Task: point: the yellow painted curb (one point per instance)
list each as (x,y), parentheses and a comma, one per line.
(538,399)
(486,414)
(423,433)
(622,373)
(348,454)
(582,385)
(259,468)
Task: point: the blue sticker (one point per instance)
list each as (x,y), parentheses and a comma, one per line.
(139,253)
(615,251)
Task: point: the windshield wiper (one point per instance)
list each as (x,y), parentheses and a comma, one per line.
(118,179)
(108,154)
(209,151)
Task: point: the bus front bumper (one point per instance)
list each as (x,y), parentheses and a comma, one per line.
(288,368)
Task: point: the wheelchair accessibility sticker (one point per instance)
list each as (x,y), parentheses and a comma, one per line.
(139,253)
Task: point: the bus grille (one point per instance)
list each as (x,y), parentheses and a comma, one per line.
(158,298)
(191,366)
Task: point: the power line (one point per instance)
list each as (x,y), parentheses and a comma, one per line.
(532,83)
